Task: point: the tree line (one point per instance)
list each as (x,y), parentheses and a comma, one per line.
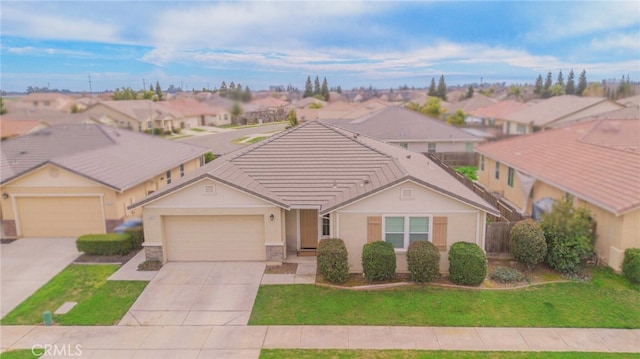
(547,88)
(235,92)
(316,90)
(127,93)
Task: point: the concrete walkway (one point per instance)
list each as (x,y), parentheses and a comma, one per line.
(247,341)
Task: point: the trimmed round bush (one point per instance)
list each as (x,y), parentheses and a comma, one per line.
(378,260)
(631,264)
(467,263)
(333,260)
(423,259)
(528,244)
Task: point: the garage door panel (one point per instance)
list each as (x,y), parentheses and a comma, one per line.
(214,238)
(60,216)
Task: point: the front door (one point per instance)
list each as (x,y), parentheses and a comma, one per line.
(308,229)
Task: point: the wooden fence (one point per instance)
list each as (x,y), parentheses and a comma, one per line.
(456,158)
(497,237)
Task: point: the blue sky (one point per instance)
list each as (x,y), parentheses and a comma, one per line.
(199,44)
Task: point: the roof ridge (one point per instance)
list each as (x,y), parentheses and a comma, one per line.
(337,129)
(244,150)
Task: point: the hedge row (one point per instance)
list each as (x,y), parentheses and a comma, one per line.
(104,244)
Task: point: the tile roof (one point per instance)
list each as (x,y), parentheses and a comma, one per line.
(499,110)
(321,166)
(114,157)
(470,104)
(597,161)
(190,107)
(394,124)
(10,128)
(553,109)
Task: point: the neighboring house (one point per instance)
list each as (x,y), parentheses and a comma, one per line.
(413,130)
(555,111)
(47,101)
(595,163)
(311,182)
(494,114)
(137,115)
(13,128)
(69,180)
(470,104)
(192,113)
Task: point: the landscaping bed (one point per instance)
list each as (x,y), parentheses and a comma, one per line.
(418,354)
(284,268)
(105,259)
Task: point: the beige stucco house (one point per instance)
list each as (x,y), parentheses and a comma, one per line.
(311,182)
(136,115)
(75,179)
(594,163)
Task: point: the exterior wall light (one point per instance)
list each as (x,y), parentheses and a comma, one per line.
(272,217)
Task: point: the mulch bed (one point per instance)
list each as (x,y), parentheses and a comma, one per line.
(285,268)
(95,259)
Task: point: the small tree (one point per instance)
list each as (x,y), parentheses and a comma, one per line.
(209,156)
(236,110)
(538,87)
(158,91)
(570,87)
(457,119)
(442,88)
(432,107)
(582,83)
(432,88)
(316,86)
(292,118)
(527,243)
(324,91)
(469,93)
(569,234)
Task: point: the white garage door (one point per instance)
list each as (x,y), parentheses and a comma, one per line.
(214,238)
(60,216)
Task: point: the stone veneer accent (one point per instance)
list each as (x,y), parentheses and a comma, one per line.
(153,253)
(9,228)
(275,253)
(110,224)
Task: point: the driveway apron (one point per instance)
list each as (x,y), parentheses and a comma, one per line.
(197,294)
(28,263)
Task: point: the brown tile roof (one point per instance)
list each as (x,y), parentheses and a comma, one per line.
(397,124)
(470,104)
(189,107)
(318,165)
(597,161)
(11,128)
(499,110)
(114,157)
(553,109)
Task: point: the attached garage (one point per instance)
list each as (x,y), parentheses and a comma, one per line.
(60,216)
(214,238)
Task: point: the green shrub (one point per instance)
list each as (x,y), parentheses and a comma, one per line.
(137,237)
(378,260)
(423,259)
(104,244)
(631,264)
(333,260)
(506,275)
(569,233)
(527,243)
(467,263)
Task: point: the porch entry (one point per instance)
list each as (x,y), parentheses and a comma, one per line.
(308,229)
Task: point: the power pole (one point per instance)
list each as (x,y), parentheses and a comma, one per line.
(90,89)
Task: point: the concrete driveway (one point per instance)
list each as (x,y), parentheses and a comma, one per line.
(198,293)
(28,263)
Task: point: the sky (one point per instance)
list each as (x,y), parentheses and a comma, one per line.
(199,44)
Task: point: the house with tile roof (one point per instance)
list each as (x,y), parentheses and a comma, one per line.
(75,179)
(136,115)
(555,111)
(594,163)
(12,128)
(310,182)
(412,130)
(494,114)
(191,113)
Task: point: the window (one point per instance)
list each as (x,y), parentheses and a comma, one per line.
(497,170)
(403,145)
(481,162)
(508,128)
(402,231)
(326,225)
(182,170)
(432,147)
(149,125)
(168,177)
(521,128)
(469,146)
(510,177)
(201,160)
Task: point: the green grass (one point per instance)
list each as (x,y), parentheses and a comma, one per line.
(257,139)
(471,172)
(20,354)
(418,354)
(100,302)
(195,129)
(603,303)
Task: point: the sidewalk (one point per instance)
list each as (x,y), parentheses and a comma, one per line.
(247,341)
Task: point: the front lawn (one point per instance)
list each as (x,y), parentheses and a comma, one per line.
(608,301)
(100,302)
(419,354)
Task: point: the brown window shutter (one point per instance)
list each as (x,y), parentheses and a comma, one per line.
(440,233)
(374,229)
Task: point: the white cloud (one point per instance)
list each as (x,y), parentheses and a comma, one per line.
(617,42)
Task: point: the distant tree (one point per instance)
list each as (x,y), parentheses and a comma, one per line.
(546,92)
(209,156)
(625,89)
(457,119)
(556,90)
(432,107)
(582,83)
(126,93)
(570,87)
(339,90)
(292,118)
(223,89)
(316,86)
(324,91)
(432,88)
(595,89)
(3,109)
(308,88)
(469,93)
(246,95)
(232,87)
(538,87)
(515,91)
(560,80)
(151,88)
(442,89)
(158,90)
(315,105)
(236,110)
